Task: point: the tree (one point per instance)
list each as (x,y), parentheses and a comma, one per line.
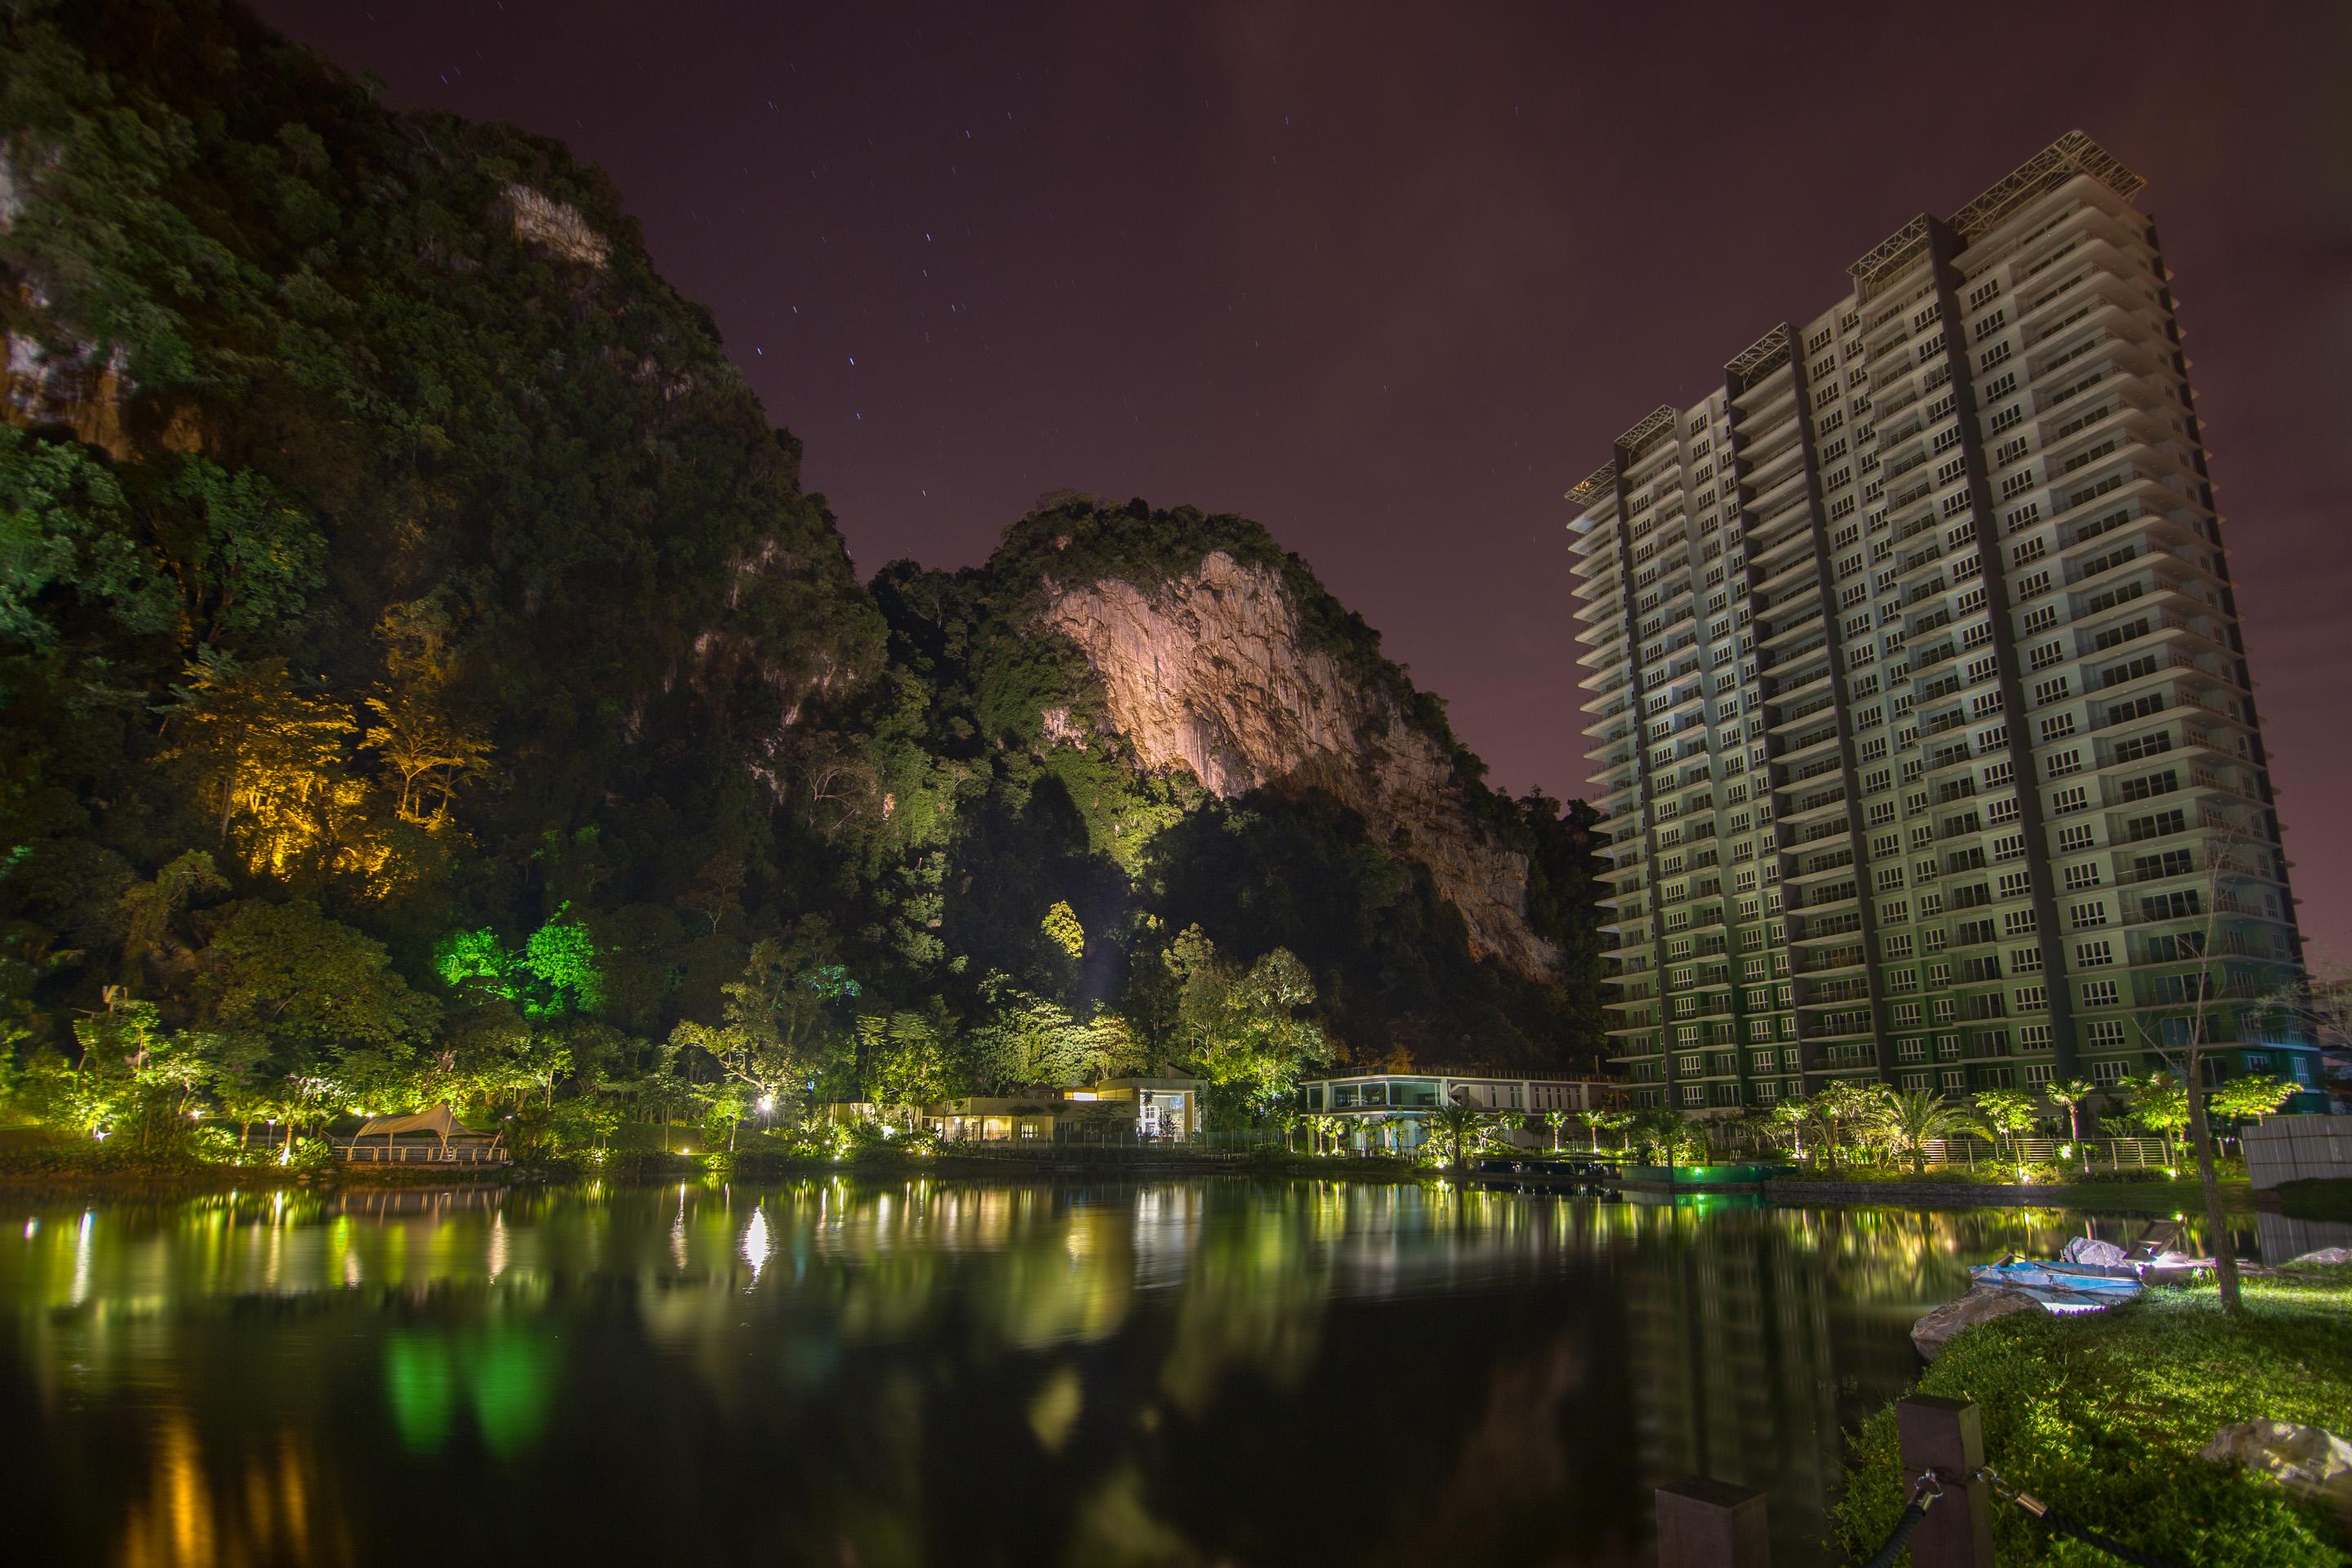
(1242,1029)
(311,987)
(149,909)
(270,757)
(2180,1021)
(1664,1131)
(2252,1096)
(2007,1112)
(1459,1129)
(1324,1129)
(2068,1095)
(1793,1114)
(1841,1106)
(780,1019)
(1062,929)
(907,1063)
(1915,1117)
(2161,1104)
(424,748)
(554,974)
(1028,1039)
(1595,1120)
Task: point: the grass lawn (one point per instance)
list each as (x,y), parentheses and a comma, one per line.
(2101,1415)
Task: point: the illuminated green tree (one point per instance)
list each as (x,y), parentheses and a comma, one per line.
(1325,1132)
(2252,1096)
(2161,1104)
(1457,1131)
(1028,1039)
(780,1019)
(1241,1029)
(1918,1116)
(1793,1114)
(908,1062)
(2010,1112)
(1665,1134)
(1843,1108)
(2068,1095)
(1062,929)
(1595,1122)
(554,975)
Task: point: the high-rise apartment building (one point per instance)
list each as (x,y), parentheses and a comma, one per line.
(1917,701)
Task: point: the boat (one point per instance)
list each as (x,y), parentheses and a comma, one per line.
(2061,1287)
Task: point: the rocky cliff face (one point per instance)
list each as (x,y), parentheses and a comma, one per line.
(1211,674)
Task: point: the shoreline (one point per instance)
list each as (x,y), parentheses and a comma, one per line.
(198,1181)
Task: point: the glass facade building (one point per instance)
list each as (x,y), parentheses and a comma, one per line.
(1914,689)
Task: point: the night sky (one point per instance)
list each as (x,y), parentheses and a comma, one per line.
(1389,278)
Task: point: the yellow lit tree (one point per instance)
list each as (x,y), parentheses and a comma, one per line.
(273,759)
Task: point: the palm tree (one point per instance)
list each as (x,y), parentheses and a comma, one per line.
(2068,1095)
(1842,1103)
(1556,1119)
(1662,1129)
(2007,1112)
(1461,1127)
(1597,1120)
(1793,1113)
(1916,1117)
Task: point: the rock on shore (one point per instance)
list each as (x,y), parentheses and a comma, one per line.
(1980,1305)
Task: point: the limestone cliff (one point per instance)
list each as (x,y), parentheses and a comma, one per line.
(1211,673)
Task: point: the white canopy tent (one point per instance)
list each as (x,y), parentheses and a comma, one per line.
(438,1119)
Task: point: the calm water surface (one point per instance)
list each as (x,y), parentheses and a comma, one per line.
(1188,1372)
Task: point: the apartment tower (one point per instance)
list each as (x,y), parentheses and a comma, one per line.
(1917,703)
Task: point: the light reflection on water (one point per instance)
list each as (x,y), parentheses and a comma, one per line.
(1174,1371)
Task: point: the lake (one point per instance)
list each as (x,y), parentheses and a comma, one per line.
(1194,1371)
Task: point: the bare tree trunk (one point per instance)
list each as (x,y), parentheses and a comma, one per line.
(2217,1223)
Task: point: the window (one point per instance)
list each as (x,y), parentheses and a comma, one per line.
(2099,994)
(2087,916)
(2107,1033)
(2108,1072)
(2094,954)
(2077,837)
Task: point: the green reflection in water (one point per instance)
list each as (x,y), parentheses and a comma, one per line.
(422,1385)
(506,1376)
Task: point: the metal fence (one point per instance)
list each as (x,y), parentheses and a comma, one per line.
(2112,1154)
(1113,1145)
(423,1155)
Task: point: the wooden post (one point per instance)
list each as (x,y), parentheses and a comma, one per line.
(1706,1523)
(1946,1435)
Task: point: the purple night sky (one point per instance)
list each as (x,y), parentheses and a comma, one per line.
(1388,278)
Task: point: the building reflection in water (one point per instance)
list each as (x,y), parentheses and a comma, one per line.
(920,1371)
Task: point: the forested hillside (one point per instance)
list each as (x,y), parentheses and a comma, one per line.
(422,675)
